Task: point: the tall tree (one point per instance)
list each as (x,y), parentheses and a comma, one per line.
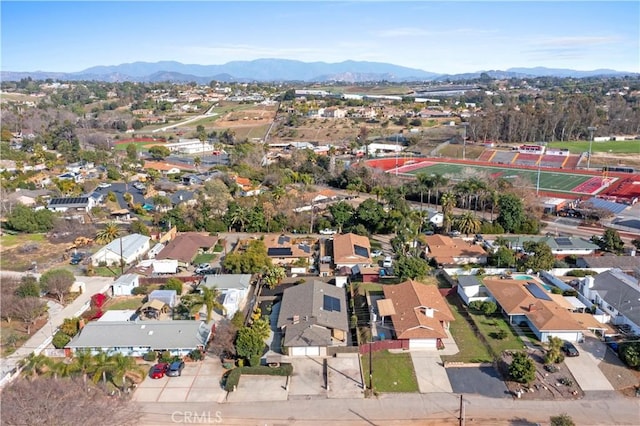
(110,232)
(511,213)
(468,223)
(57,282)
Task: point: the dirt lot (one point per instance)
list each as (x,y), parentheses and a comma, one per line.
(548,385)
(620,376)
(18,257)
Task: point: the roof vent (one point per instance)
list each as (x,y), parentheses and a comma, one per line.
(296,318)
(142,327)
(150,332)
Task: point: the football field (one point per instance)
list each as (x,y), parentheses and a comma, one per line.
(551,181)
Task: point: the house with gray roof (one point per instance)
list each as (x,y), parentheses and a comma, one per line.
(618,295)
(74,204)
(560,246)
(136,338)
(128,248)
(234,289)
(627,264)
(313,316)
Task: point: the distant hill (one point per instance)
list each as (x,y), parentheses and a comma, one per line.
(282,70)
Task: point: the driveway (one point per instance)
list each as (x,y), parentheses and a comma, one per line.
(308,378)
(200,382)
(585,366)
(483,381)
(431,374)
(344,376)
(259,388)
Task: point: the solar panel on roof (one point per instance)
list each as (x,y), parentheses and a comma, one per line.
(361,251)
(279,251)
(330,303)
(563,241)
(72,200)
(282,239)
(305,248)
(537,291)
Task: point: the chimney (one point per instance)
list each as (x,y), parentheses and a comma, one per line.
(296,319)
(532,307)
(428,312)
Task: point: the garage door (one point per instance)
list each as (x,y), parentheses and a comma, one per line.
(306,351)
(571,336)
(422,344)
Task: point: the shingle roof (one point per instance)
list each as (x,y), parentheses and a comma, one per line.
(515,299)
(184,247)
(130,245)
(412,302)
(346,249)
(620,291)
(227,281)
(446,250)
(156,335)
(307,300)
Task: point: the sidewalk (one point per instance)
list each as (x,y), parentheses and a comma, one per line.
(42,338)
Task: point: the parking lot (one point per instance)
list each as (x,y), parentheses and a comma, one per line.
(199,382)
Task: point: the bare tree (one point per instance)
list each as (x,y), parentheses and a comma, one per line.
(45,401)
(57,282)
(28,310)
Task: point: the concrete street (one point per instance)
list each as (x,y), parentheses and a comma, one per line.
(42,338)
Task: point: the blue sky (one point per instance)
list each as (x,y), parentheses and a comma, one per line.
(442,37)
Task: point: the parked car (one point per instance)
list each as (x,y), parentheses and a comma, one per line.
(328,231)
(387,262)
(139,186)
(104,185)
(377,253)
(201,268)
(77,258)
(175,369)
(454,233)
(159,370)
(569,349)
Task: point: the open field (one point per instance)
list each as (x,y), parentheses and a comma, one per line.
(617,147)
(549,181)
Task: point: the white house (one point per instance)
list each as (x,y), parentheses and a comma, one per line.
(233,288)
(124,285)
(128,248)
(84,204)
(169,297)
(470,289)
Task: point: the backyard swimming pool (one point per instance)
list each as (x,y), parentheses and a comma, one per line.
(522,277)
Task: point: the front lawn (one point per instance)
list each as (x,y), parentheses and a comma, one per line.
(391,372)
(494,326)
(204,258)
(104,271)
(472,349)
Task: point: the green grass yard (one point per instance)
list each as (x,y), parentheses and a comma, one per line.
(204,258)
(133,302)
(391,372)
(472,349)
(617,147)
(489,326)
(549,181)
(8,240)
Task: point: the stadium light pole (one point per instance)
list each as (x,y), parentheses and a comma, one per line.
(464,125)
(591,129)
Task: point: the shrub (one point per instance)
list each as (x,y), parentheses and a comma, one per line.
(562,420)
(630,353)
(196,355)
(166,356)
(150,356)
(580,273)
(232,379)
(233,376)
(254,361)
(500,334)
(476,305)
(60,340)
(173,284)
(522,369)
(489,308)
(98,299)
(354,321)
(140,290)
(238,319)
(556,290)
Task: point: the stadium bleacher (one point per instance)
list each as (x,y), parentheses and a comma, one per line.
(504,157)
(527,159)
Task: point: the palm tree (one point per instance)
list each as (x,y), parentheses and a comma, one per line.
(468,223)
(102,367)
(210,300)
(424,182)
(107,234)
(34,365)
(197,161)
(438,182)
(122,365)
(84,363)
(448,201)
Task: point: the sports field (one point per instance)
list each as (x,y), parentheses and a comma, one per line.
(617,147)
(549,181)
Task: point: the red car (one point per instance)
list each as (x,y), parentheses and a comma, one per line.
(158,371)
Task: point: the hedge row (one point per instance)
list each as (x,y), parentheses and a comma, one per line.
(233,377)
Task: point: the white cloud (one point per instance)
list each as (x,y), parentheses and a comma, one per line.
(570,41)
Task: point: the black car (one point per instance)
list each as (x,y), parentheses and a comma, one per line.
(175,369)
(569,349)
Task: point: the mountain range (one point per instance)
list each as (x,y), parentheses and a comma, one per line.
(274,70)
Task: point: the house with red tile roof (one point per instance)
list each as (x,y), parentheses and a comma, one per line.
(418,313)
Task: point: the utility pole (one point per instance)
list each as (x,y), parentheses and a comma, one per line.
(464,125)
(461,418)
(371,349)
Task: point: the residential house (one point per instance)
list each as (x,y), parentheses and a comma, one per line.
(182,196)
(560,246)
(26,197)
(247,188)
(453,251)
(418,313)
(133,338)
(313,316)
(167,168)
(627,264)
(350,250)
(124,285)
(334,113)
(118,315)
(71,204)
(186,246)
(618,295)
(527,302)
(286,249)
(128,248)
(234,289)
